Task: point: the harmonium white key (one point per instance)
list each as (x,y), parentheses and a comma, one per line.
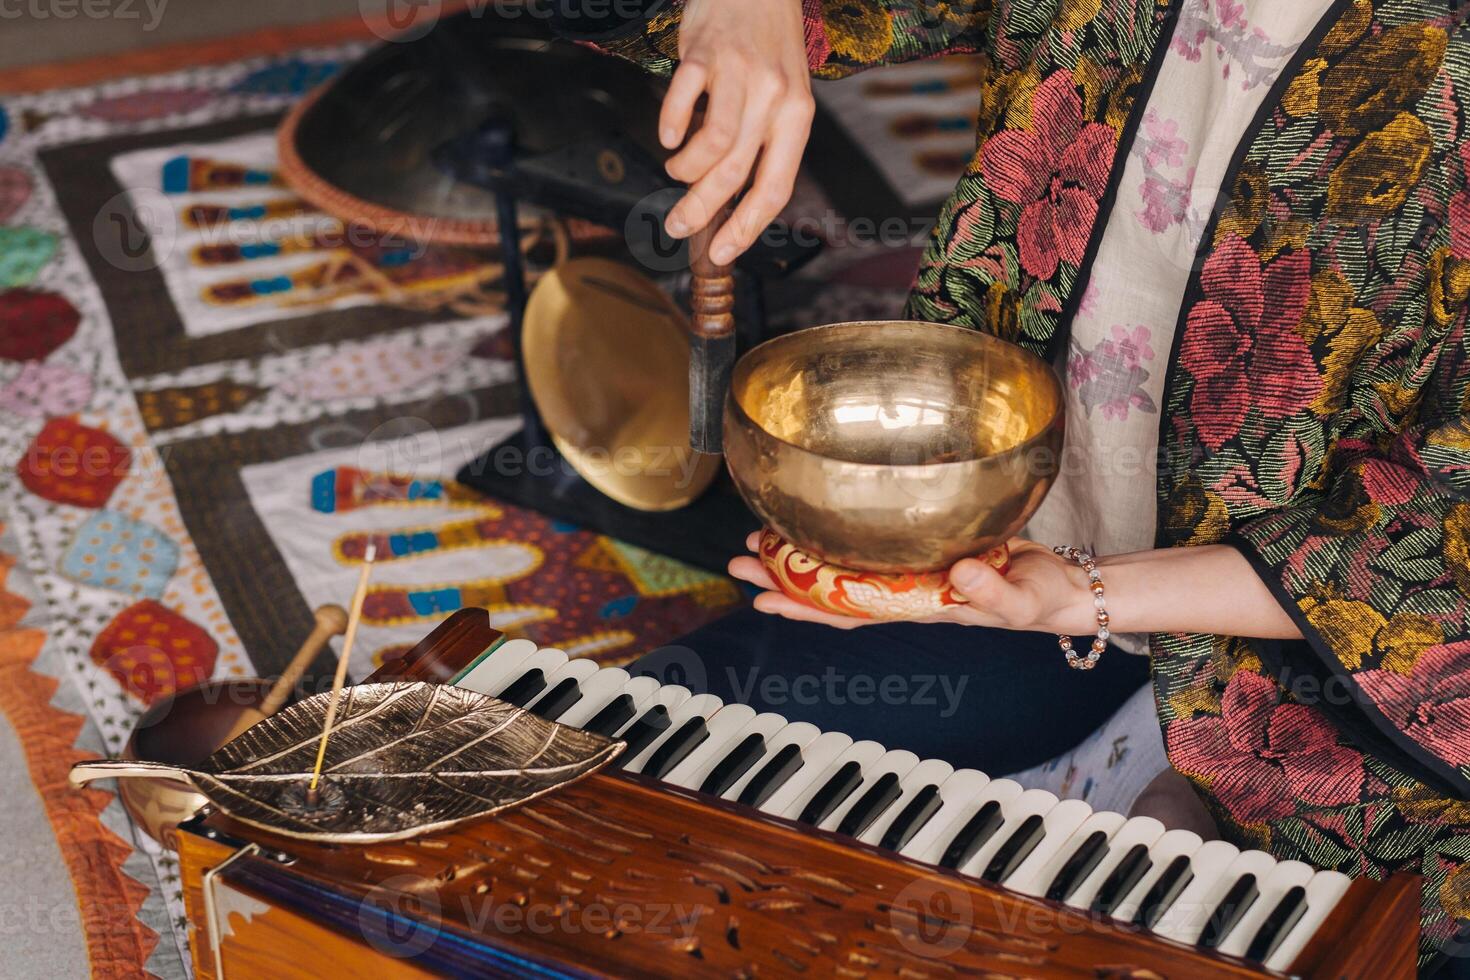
(839,778)
(972,826)
(1037,824)
(702,748)
(816,757)
(956,795)
(610,698)
(781,759)
(880,787)
(563,689)
(683,728)
(728,760)
(493,671)
(529,677)
(917,802)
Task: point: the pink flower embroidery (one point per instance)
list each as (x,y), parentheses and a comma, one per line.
(1111,375)
(1056,171)
(1162,144)
(1432,704)
(1165,202)
(1088,303)
(1231,13)
(1187,46)
(1262,756)
(1134,344)
(1240,342)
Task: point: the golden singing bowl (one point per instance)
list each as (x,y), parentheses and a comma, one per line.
(607,362)
(893,446)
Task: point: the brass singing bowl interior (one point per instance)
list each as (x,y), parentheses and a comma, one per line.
(893,446)
(607,362)
(184,729)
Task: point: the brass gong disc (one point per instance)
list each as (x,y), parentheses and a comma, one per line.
(607,362)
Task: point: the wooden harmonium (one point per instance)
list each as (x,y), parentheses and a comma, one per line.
(731,844)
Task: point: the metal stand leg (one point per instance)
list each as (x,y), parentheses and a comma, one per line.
(486,156)
(533,431)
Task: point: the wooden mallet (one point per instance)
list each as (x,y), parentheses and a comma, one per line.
(711,338)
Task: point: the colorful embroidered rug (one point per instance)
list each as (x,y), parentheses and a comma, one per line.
(211,398)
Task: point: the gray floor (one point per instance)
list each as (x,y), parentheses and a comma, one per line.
(37,31)
(38,908)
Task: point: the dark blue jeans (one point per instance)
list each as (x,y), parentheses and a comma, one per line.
(993,700)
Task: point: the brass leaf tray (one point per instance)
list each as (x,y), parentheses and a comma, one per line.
(402,760)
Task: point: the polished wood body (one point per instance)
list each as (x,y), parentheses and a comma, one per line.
(619,875)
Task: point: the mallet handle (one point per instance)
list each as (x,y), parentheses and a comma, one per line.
(330,621)
(712,337)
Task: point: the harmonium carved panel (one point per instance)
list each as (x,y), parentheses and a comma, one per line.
(660,869)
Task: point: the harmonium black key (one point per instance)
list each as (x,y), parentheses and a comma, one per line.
(644,732)
(557,701)
(912,818)
(1237,901)
(1286,931)
(1278,922)
(772,776)
(973,835)
(735,764)
(886,789)
(616,714)
(1128,872)
(960,793)
(842,784)
(521,690)
(677,747)
(1017,848)
(1165,889)
(1083,862)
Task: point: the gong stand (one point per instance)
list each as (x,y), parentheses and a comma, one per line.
(486,158)
(613,183)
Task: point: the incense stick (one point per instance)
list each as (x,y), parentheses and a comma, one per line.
(354,616)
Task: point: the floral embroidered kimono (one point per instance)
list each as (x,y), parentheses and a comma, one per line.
(1315,407)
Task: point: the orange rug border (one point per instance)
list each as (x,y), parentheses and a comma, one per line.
(108,898)
(176,55)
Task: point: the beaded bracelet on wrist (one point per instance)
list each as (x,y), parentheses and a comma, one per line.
(1094,582)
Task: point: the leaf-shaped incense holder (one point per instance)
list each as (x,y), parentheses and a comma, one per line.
(403,760)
